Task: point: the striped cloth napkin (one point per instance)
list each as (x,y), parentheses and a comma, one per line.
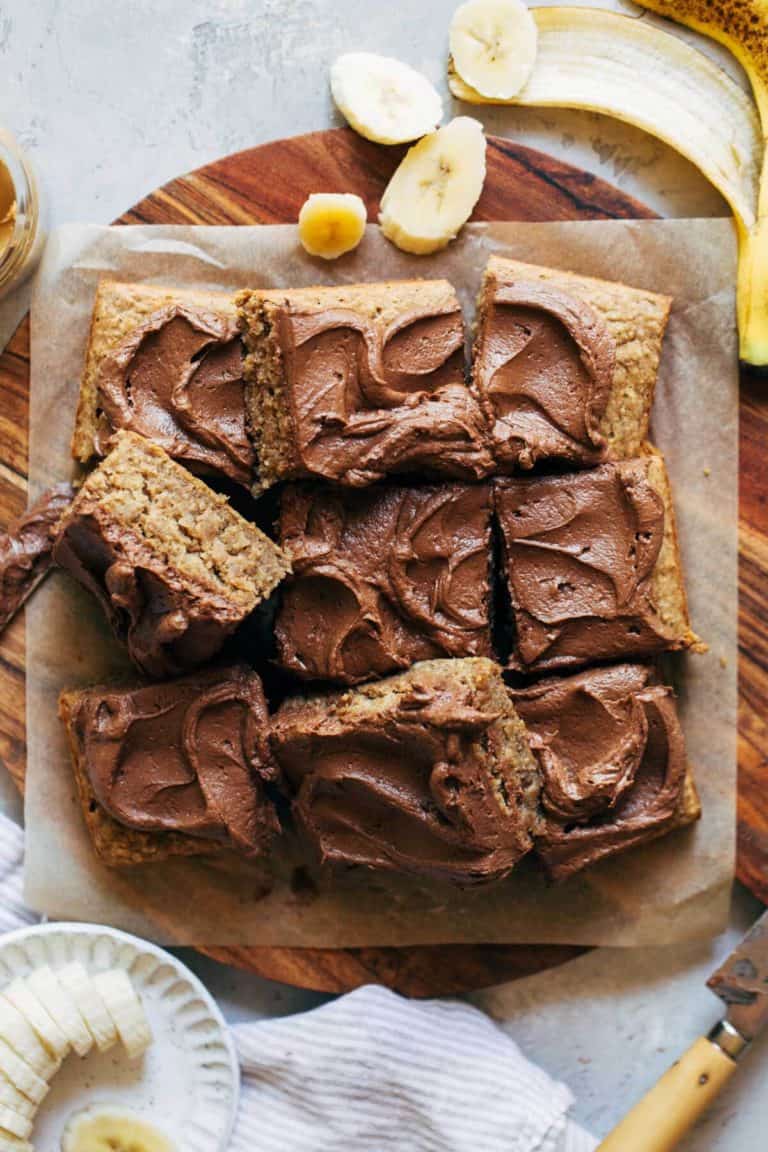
(373,1072)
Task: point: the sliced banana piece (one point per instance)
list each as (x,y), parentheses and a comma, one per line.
(126,1010)
(433,191)
(11,1143)
(493,45)
(92,1008)
(22,997)
(14,1122)
(384,99)
(627,68)
(331,223)
(17,1032)
(10,1097)
(24,1078)
(113,1130)
(59,1004)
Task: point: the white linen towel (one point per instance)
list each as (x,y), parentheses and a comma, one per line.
(373,1072)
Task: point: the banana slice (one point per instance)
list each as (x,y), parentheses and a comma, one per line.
(113,1130)
(384,99)
(331,223)
(126,1010)
(22,997)
(435,188)
(60,1005)
(11,1143)
(493,46)
(10,1097)
(92,1008)
(19,1035)
(13,1122)
(21,1076)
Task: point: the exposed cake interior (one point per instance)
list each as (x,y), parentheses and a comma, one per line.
(267,410)
(185,525)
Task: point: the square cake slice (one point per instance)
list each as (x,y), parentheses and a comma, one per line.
(178,768)
(428,773)
(383,577)
(613,763)
(166,363)
(565,365)
(592,565)
(357,382)
(175,567)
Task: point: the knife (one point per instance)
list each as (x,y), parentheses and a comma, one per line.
(661,1119)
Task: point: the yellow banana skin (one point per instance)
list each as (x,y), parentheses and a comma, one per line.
(742,26)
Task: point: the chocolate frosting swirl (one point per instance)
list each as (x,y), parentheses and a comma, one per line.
(369,400)
(383,578)
(26,549)
(167,628)
(580,553)
(544,368)
(177,380)
(411,791)
(189,756)
(613,763)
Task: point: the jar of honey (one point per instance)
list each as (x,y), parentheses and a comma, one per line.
(22,232)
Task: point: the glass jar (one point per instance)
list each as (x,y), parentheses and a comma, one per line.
(21,242)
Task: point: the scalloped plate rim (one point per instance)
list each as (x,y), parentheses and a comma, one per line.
(17,936)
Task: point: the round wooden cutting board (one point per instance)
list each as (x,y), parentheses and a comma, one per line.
(267,185)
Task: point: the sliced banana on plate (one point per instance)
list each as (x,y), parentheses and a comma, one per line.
(10,1097)
(493,46)
(11,1143)
(331,223)
(384,99)
(92,1008)
(113,1130)
(20,1075)
(433,191)
(126,1010)
(60,1005)
(19,1035)
(15,1122)
(22,997)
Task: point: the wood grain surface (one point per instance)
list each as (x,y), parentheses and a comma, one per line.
(267,185)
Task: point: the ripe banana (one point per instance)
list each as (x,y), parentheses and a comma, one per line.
(113,1130)
(126,1010)
(14,1122)
(11,1143)
(59,1004)
(384,99)
(18,1034)
(22,997)
(10,1097)
(331,223)
(92,1008)
(434,189)
(624,67)
(14,1069)
(493,45)
(742,26)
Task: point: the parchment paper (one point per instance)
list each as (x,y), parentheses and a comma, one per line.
(675,889)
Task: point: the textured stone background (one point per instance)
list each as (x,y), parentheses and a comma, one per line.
(112,99)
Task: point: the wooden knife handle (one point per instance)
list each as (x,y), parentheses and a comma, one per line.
(671,1108)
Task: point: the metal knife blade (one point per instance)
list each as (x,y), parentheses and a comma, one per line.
(742,982)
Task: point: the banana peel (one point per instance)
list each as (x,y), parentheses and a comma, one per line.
(634,71)
(742,26)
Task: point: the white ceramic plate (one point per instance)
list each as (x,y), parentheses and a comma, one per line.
(188,1082)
